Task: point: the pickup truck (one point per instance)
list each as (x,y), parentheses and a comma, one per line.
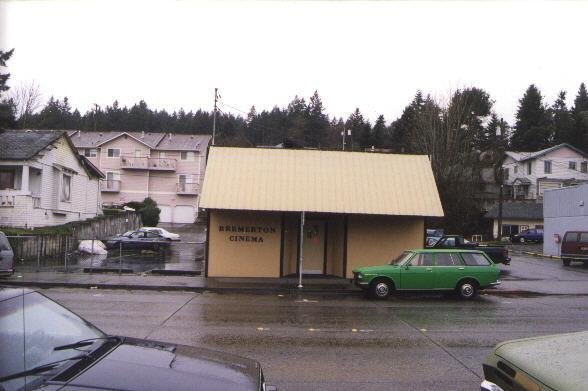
(498,254)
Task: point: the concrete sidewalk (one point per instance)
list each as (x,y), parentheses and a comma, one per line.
(512,282)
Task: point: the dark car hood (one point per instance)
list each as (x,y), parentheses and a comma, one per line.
(148,365)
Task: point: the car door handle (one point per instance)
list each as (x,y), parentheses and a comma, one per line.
(461,268)
(429,269)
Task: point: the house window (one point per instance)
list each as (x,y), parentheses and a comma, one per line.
(162,155)
(187,156)
(516,169)
(572,165)
(66,188)
(529,167)
(113,152)
(506,172)
(584,167)
(91,152)
(184,182)
(7,180)
(138,153)
(547,167)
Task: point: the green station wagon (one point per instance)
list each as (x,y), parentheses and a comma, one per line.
(462,271)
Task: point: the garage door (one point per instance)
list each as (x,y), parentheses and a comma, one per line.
(183,214)
(166,214)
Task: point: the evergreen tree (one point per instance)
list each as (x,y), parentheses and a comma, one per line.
(356,124)
(7,117)
(379,132)
(406,124)
(469,111)
(580,117)
(317,124)
(532,128)
(563,122)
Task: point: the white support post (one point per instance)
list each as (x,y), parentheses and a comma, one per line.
(301,250)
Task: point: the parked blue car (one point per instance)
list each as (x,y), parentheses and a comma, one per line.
(530,235)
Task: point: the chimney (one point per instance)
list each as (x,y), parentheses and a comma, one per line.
(169,135)
(143,134)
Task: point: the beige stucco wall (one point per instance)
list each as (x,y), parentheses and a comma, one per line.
(376,240)
(229,257)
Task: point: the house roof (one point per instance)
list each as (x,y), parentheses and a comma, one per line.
(524,156)
(24,144)
(268,179)
(517,210)
(153,140)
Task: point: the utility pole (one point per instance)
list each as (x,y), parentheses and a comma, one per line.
(500,199)
(214,115)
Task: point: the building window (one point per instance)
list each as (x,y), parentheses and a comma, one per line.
(506,173)
(138,153)
(547,167)
(113,152)
(90,152)
(187,156)
(162,155)
(572,165)
(516,169)
(66,188)
(529,167)
(584,167)
(7,179)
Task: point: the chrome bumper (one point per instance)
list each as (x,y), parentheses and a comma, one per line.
(489,386)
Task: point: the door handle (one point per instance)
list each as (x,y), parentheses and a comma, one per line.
(461,268)
(429,269)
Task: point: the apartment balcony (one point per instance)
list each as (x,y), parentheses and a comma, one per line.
(147,163)
(184,188)
(111,186)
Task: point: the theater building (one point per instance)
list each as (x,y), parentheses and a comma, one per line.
(279,212)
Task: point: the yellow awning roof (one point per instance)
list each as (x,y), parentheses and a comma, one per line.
(319,181)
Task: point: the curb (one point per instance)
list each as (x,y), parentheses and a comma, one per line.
(260,290)
(535,254)
(42,284)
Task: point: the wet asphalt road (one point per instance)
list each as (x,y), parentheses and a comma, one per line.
(422,342)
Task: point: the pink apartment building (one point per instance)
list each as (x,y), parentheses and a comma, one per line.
(167,167)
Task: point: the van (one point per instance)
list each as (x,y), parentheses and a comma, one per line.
(574,247)
(6,256)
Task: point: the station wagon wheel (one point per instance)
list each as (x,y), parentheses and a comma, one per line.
(467,289)
(381,289)
(522,240)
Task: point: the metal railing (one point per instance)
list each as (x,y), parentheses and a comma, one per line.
(187,188)
(148,163)
(36,201)
(7,201)
(111,185)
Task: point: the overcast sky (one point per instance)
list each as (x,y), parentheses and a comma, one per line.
(371,55)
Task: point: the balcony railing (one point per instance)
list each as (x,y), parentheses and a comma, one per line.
(36,201)
(147,163)
(111,185)
(187,188)
(7,201)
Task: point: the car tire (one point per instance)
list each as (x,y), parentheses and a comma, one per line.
(381,289)
(566,261)
(521,240)
(156,247)
(467,289)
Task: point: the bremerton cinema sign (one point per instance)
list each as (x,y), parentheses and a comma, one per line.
(244,229)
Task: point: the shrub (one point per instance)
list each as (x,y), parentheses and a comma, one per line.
(148,210)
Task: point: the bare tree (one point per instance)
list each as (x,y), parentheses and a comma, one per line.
(446,132)
(27,99)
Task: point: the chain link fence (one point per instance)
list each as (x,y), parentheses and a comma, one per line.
(65,253)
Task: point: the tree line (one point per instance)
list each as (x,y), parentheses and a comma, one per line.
(462,133)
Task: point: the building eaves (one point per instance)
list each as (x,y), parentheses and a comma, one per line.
(25,144)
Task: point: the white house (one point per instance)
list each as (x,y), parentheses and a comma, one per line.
(44,181)
(528,174)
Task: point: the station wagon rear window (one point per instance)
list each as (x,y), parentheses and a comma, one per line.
(475,259)
(584,237)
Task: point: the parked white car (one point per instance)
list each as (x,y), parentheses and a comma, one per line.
(166,234)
